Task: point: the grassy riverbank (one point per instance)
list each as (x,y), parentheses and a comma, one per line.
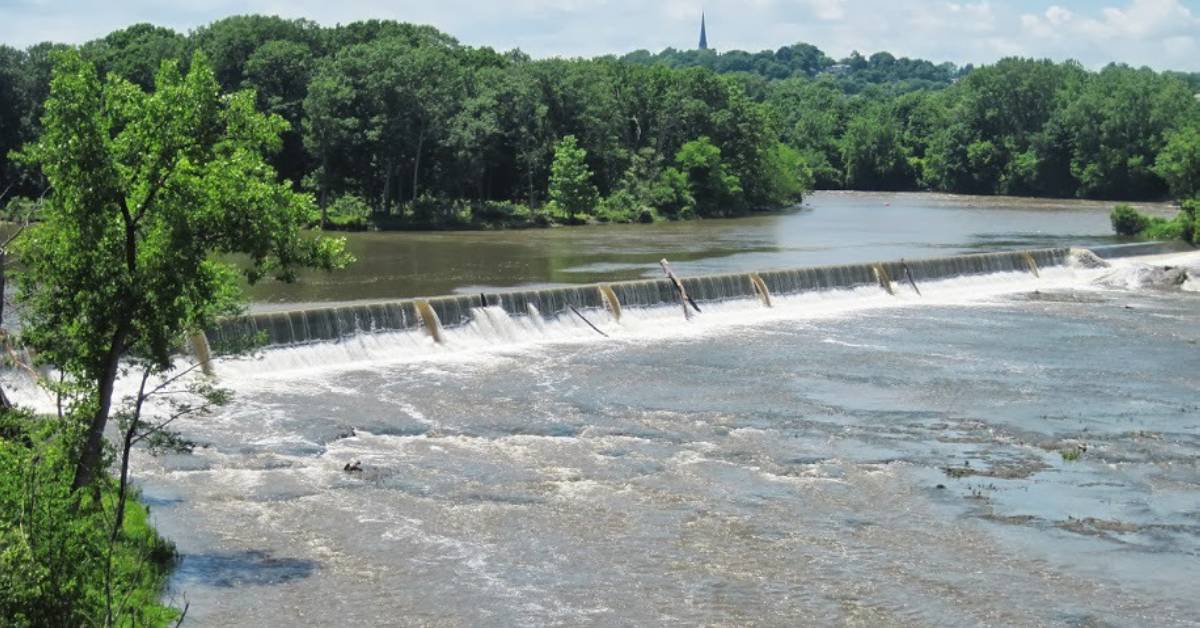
(60,563)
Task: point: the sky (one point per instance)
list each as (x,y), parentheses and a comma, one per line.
(1163,34)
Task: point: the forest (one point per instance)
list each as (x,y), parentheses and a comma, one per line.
(399,125)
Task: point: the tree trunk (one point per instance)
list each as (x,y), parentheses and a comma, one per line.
(530,177)
(417,163)
(89,457)
(324,189)
(387,187)
(3,275)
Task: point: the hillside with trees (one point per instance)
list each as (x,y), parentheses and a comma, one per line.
(400,125)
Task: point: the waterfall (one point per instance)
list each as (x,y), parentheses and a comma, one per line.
(437,313)
(610,299)
(1032,264)
(538,322)
(885,280)
(429,319)
(761,288)
(202,352)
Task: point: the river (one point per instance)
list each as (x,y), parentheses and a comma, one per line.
(1005,449)
(830,228)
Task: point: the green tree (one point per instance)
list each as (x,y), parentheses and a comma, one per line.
(279,72)
(135,53)
(146,189)
(715,190)
(1179,163)
(873,152)
(1118,125)
(571,190)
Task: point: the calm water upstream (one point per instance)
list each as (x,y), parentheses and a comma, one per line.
(831,228)
(1001,449)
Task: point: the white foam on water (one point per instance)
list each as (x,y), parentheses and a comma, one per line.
(493,336)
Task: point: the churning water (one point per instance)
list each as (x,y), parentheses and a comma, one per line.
(1003,448)
(1017,443)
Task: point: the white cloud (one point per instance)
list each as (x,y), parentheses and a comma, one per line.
(1142,19)
(827,9)
(1058,16)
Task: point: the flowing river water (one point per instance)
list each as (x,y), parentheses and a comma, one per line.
(1001,449)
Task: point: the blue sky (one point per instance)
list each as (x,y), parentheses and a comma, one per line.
(1163,34)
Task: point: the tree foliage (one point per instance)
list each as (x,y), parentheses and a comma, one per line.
(145,189)
(571,190)
(415,124)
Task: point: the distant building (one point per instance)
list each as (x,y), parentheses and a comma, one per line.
(703,35)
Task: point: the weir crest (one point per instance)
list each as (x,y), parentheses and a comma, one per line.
(325,324)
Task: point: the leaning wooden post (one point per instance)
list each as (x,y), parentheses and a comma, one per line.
(680,292)
(909,275)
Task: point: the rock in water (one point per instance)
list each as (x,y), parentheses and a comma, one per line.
(1084,258)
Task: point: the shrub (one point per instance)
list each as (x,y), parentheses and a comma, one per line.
(1127,221)
(1163,229)
(1190,214)
(501,214)
(54,555)
(348,212)
(622,206)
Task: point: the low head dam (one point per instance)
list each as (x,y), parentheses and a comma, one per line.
(436,314)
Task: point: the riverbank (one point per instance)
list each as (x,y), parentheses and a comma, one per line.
(507,215)
(60,564)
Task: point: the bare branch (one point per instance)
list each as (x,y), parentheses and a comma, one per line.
(14,235)
(172,418)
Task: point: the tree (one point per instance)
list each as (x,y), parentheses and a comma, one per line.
(135,53)
(146,189)
(571,190)
(873,152)
(1118,125)
(1179,163)
(279,73)
(715,190)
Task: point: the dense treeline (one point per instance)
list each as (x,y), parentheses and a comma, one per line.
(400,120)
(400,123)
(855,74)
(1021,127)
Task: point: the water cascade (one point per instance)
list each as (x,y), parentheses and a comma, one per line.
(761,288)
(611,300)
(1032,264)
(435,313)
(429,319)
(885,280)
(202,352)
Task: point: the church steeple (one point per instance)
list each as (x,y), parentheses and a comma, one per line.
(703,35)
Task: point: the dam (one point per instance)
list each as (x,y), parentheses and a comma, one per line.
(325,324)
